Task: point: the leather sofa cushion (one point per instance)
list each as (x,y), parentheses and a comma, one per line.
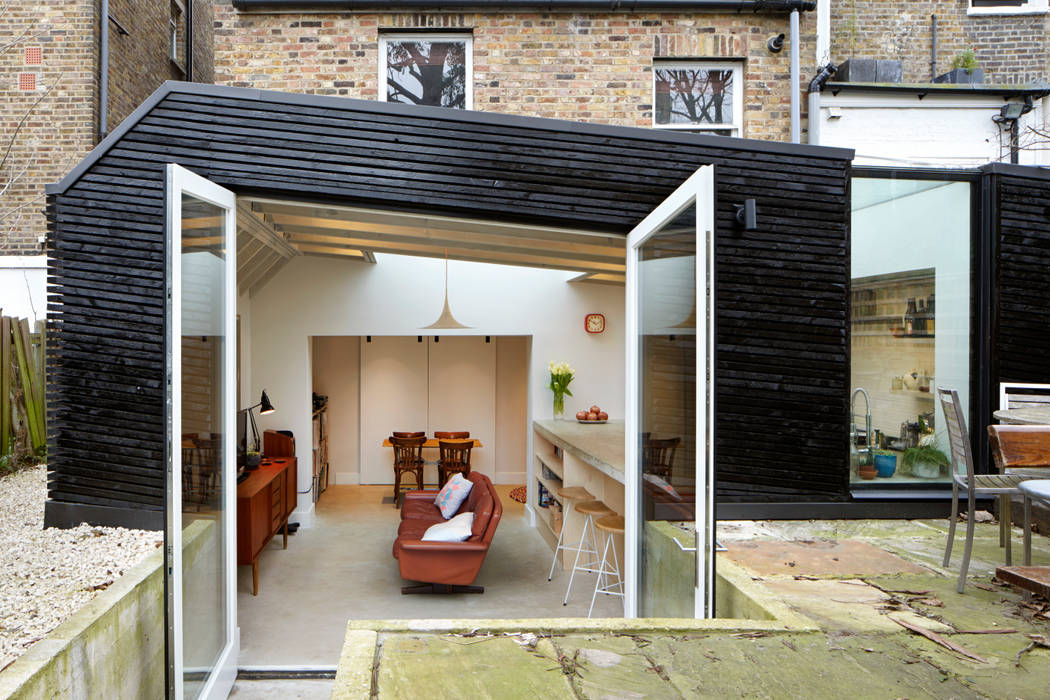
(421,509)
(414,529)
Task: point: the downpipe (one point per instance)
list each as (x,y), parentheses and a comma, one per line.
(815,86)
(796,108)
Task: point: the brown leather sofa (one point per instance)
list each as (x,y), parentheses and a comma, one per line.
(446,567)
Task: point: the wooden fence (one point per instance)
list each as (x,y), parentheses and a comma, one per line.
(23,422)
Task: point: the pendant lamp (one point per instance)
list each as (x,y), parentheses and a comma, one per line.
(446,320)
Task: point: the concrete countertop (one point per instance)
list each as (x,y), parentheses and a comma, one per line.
(599,445)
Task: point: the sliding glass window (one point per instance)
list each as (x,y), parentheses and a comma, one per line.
(910,325)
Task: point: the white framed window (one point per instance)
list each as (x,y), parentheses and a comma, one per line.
(175,27)
(699,96)
(1005,7)
(427,69)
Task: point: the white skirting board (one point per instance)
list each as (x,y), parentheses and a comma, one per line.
(303,513)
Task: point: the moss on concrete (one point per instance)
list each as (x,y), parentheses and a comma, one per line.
(353,676)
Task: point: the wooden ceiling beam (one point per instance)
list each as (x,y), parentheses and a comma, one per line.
(403,234)
(556,262)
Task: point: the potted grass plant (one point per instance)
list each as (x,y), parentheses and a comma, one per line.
(965,69)
(925,461)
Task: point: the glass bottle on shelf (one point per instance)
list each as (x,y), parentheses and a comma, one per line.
(909,317)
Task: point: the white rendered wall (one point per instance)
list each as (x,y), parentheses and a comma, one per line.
(937,131)
(313,296)
(23,286)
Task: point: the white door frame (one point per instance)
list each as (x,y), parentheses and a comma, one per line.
(699,188)
(180,181)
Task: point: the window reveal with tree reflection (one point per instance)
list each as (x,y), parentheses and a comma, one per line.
(426,72)
(694,96)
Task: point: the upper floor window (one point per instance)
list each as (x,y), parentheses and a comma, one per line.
(426,69)
(698,96)
(176,31)
(1002,7)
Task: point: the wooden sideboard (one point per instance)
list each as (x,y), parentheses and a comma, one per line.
(264,501)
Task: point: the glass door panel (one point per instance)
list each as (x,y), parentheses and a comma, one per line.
(201,539)
(670,427)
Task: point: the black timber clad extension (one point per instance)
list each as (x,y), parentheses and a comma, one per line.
(1021,280)
(782,333)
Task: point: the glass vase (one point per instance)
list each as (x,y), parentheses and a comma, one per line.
(559,406)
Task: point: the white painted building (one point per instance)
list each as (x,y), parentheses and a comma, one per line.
(931,126)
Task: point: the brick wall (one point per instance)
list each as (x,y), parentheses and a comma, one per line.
(1012,49)
(584,67)
(140,61)
(60,129)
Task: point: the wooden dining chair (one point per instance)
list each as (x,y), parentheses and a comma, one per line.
(408,457)
(453,435)
(455,457)
(659,457)
(964,478)
(416,434)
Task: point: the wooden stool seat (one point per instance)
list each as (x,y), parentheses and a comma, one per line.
(593,508)
(610,523)
(575,493)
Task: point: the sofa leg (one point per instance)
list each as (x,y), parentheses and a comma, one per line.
(440,588)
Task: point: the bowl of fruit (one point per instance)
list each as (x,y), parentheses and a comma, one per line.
(594,415)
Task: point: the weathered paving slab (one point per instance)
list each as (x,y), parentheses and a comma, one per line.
(810,665)
(455,666)
(819,558)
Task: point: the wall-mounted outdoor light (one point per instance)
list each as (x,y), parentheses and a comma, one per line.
(747,215)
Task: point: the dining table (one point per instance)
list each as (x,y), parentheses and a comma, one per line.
(1029,415)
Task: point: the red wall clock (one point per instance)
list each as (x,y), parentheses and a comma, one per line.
(594,323)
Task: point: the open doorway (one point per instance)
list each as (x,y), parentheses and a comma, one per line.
(330,321)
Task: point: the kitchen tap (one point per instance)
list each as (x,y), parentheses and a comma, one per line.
(853,418)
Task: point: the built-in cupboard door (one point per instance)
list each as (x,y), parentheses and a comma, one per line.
(671,406)
(200,536)
(394,393)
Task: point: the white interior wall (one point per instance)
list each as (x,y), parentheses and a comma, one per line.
(336,374)
(512,409)
(314,296)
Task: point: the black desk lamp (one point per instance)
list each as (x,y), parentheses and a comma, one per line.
(264,407)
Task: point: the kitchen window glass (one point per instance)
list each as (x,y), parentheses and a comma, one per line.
(910,319)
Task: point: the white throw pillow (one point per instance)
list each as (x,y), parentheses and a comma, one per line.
(452,495)
(662,485)
(455,530)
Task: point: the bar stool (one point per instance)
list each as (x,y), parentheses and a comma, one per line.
(609,525)
(567,494)
(589,510)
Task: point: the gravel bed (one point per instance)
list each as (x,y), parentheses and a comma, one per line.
(47,575)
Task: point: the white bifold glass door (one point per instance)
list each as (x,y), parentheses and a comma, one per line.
(200,540)
(670,406)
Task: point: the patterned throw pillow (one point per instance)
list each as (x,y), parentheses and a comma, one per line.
(452,495)
(455,530)
(662,485)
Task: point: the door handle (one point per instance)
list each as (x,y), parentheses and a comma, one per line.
(682,546)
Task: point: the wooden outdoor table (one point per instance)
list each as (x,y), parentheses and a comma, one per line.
(1033,415)
(431,442)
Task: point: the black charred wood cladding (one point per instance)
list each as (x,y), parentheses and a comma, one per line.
(1022,280)
(782,288)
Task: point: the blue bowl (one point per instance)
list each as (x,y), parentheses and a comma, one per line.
(885,465)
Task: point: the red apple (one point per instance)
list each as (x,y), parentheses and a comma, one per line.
(581,415)
(602,415)
(595,409)
(592,416)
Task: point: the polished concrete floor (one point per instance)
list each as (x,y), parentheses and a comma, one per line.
(342,569)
